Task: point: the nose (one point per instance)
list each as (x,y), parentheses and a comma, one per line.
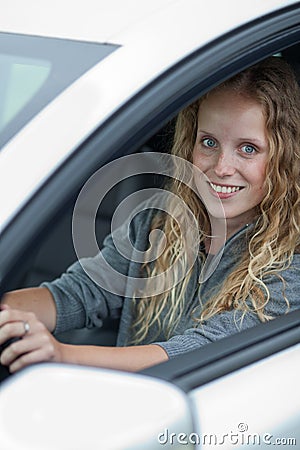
(224,165)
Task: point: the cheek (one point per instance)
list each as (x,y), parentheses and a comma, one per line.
(259,179)
(199,169)
(261,173)
(199,160)
(194,156)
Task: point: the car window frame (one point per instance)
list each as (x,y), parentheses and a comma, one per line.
(145,114)
(232,353)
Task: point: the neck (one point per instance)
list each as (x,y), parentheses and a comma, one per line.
(221,231)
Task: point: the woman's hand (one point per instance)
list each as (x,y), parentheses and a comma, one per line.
(35,344)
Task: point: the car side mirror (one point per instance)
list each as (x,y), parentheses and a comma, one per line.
(54,406)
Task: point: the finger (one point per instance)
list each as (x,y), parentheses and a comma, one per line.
(26,360)
(38,342)
(3,306)
(36,356)
(15,315)
(13,329)
(18,348)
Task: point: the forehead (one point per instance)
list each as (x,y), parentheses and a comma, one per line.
(231,117)
(226,105)
(228,95)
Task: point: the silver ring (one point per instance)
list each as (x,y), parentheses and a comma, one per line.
(26,327)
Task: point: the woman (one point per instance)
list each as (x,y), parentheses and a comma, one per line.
(244,137)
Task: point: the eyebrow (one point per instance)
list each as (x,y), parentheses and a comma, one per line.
(203,131)
(255,141)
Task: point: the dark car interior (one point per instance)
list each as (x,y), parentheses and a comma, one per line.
(54,253)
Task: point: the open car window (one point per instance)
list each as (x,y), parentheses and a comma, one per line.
(37,245)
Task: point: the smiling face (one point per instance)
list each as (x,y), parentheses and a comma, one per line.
(231,149)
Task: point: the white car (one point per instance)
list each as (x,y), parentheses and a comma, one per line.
(83,84)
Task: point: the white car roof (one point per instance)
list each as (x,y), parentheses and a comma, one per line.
(117,21)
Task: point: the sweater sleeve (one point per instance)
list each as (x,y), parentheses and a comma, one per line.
(217,327)
(95,288)
(80,300)
(284,298)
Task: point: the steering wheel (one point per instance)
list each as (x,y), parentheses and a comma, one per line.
(4,372)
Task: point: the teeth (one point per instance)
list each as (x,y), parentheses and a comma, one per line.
(224,189)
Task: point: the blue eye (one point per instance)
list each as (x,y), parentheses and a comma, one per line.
(249,149)
(209,142)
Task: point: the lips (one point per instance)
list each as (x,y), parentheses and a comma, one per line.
(221,189)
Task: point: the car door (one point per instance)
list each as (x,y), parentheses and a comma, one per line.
(224,384)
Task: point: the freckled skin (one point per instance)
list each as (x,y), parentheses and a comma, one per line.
(231,149)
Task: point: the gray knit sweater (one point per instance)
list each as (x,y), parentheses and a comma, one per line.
(80,302)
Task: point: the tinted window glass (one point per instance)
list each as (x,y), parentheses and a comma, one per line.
(33,70)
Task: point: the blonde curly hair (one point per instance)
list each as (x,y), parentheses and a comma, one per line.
(275,236)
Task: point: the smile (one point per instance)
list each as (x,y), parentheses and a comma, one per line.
(225,189)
